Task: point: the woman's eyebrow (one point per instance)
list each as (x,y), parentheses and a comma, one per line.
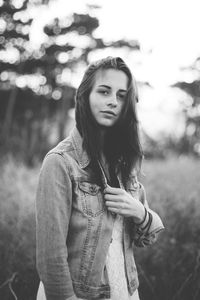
(108,87)
(104,85)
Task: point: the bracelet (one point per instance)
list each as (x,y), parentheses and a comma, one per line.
(147,226)
(145,216)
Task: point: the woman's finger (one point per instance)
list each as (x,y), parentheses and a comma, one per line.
(113,190)
(112,204)
(117,205)
(115,198)
(115,210)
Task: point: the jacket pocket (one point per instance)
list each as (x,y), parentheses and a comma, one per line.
(91,198)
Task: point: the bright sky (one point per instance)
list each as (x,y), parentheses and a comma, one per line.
(168,32)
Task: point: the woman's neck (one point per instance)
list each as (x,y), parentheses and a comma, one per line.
(102,141)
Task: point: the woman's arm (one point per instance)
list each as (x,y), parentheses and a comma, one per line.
(146,232)
(53,210)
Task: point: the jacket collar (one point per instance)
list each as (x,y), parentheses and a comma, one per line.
(81,154)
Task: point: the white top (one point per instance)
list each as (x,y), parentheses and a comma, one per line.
(115,265)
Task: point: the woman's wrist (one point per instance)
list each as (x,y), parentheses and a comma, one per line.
(140,220)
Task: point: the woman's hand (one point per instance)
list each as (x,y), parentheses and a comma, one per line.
(121,202)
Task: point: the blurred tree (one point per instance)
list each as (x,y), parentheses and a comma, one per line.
(13,52)
(17,82)
(190,141)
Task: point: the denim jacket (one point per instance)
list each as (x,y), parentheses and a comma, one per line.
(74,228)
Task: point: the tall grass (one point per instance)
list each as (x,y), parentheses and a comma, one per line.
(168,270)
(17,229)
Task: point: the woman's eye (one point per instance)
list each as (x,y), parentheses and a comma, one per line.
(121,96)
(103,92)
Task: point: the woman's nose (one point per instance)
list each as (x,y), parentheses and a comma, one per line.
(113,100)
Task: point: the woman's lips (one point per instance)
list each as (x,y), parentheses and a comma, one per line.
(109,112)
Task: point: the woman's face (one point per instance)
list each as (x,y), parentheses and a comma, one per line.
(108,96)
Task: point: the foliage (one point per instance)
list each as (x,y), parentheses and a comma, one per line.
(170,269)
(17,229)
(189,143)
(21,66)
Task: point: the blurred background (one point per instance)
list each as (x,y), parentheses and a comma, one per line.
(45,46)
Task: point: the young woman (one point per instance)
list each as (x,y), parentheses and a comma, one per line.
(91,209)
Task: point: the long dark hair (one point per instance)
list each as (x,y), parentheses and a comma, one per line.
(122,145)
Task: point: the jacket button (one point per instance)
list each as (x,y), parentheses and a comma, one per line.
(92,189)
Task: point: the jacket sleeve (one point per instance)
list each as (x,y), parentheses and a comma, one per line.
(146,233)
(53,210)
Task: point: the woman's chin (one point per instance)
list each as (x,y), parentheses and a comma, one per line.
(106,123)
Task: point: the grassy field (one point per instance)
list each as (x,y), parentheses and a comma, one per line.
(168,270)
(17,230)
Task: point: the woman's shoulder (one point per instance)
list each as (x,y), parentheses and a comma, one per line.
(63,147)
(62,152)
